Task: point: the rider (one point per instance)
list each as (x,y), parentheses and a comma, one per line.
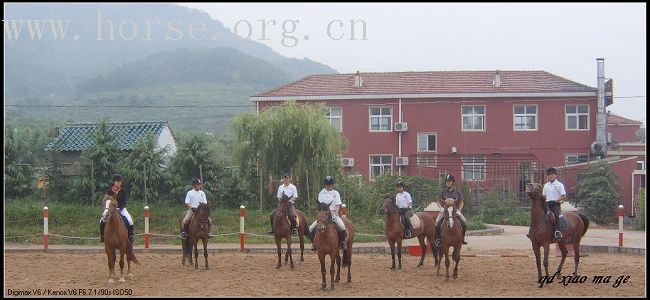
(120,195)
(192,200)
(290,190)
(555,193)
(404,203)
(327,195)
(450,191)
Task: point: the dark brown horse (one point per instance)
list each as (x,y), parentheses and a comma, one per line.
(282,230)
(198,230)
(541,230)
(451,235)
(327,239)
(395,232)
(116,237)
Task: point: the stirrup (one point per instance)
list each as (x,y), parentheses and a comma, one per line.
(270,231)
(101,238)
(438,242)
(184,235)
(407,233)
(210,235)
(343,245)
(558,234)
(131,239)
(294,231)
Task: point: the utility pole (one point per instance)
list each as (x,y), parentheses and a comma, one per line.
(92,181)
(145,186)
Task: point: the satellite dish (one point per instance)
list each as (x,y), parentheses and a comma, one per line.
(640,134)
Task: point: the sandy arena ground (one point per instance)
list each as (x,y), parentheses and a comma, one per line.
(240,274)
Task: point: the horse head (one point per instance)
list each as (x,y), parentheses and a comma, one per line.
(324,216)
(389,205)
(450,212)
(283,205)
(534,191)
(203,212)
(112,205)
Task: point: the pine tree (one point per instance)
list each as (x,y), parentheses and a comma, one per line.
(597,193)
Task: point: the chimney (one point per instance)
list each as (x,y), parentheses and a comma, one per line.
(601,114)
(358,81)
(497,80)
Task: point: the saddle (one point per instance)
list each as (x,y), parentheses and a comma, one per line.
(415,221)
(564,222)
(289,220)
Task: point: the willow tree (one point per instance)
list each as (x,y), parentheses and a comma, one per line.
(145,164)
(292,137)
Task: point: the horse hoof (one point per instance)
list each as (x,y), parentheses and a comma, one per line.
(419,266)
(455,276)
(110,280)
(322,288)
(349,281)
(130,276)
(278,266)
(122,279)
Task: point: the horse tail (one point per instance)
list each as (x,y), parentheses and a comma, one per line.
(346,258)
(585,220)
(130,255)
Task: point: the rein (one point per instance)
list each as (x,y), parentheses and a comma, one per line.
(534,230)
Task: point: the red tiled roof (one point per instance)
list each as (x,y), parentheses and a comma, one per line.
(618,120)
(435,82)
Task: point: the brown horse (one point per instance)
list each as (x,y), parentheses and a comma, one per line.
(541,230)
(451,235)
(198,229)
(282,229)
(395,232)
(116,237)
(327,239)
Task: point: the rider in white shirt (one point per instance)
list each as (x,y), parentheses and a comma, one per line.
(193,198)
(404,203)
(555,193)
(292,192)
(329,195)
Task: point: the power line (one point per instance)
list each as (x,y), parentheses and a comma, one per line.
(122,106)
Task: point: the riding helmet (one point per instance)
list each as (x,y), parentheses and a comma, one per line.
(551,170)
(400,183)
(450,177)
(286,174)
(116,177)
(196,181)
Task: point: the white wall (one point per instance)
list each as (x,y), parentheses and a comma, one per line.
(167,139)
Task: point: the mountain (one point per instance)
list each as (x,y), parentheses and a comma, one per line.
(55,66)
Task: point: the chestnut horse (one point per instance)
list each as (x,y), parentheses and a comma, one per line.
(541,230)
(282,229)
(116,237)
(395,232)
(198,230)
(327,239)
(451,235)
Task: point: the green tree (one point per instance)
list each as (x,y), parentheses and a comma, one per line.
(597,193)
(293,138)
(192,158)
(145,162)
(642,211)
(18,177)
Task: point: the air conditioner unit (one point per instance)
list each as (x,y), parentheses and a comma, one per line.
(401,126)
(347,162)
(402,161)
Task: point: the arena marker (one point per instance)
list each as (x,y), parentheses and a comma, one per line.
(242,214)
(146,227)
(46,234)
(344,210)
(621,213)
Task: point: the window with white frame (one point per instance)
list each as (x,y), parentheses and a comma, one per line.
(525,117)
(640,165)
(380,119)
(572,159)
(380,165)
(474,168)
(427,142)
(335,116)
(577,117)
(473,118)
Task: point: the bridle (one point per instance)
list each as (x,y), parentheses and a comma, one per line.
(537,197)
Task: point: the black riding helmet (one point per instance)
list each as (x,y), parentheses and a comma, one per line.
(328,180)
(450,177)
(196,181)
(551,170)
(399,183)
(116,177)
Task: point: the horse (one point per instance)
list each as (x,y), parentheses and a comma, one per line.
(116,237)
(451,235)
(541,230)
(198,229)
(282,229)
(395,232)
(327,239)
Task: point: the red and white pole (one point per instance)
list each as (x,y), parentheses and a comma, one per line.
(621,213)
(46,234)
(242,213)
(344,210)
(146,227)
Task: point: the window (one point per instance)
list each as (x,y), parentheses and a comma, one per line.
(473,118)
(380,165)
(474,167)
(572,159)
(577,117)
(427,142)
(640,165)
(380,119)
(335,116)
(525,117)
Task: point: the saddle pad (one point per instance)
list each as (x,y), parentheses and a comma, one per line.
(297,221)
(415,221)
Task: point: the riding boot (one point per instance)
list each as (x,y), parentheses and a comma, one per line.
(184,232)
(464,227)
(438,240)
(557,235)
(342,239)
(131,236)
(407,234)
(271,231)
(101,231)
(294,231)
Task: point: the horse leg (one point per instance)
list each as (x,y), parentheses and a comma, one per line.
(423,246)
(546,245)
(576,256)
(301,236)
(196,254)
(456,257)
(338,268)
(122,265)
(391,243)
(277,244)
(399,254)
(111,264)
(289,252)
(321,258)
(446,251)
(205,252)
(349,259)
(562,246)
(538,262)
(332,270)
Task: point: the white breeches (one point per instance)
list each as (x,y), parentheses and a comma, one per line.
(188,217)
(124,212)
(337,221)
(460,215)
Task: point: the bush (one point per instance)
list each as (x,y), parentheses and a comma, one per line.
(475,223)
(641,215)
(597,195)
(497,208)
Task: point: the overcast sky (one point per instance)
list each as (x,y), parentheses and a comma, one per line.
(564,39)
